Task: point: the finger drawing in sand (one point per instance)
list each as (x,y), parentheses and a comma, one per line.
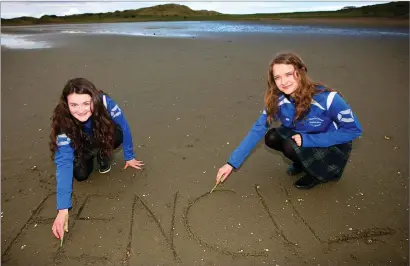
(317,125)
(86,124)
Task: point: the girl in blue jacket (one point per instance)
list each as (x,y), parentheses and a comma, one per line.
(86,124)
(317,125)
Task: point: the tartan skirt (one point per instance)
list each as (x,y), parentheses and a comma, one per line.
(323,163)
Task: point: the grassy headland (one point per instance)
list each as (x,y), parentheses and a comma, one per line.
(174,12)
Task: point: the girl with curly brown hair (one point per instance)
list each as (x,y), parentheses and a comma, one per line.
(86,124)
(318,126)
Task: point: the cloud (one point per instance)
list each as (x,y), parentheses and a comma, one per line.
(71,11)
(37,9)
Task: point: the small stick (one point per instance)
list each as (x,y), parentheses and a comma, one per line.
(216,184)
(61,242)
(214,187)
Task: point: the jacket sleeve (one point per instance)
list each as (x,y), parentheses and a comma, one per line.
(345,121)
(118,116)
(256,133)
(64,160)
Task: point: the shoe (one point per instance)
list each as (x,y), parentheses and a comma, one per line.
(335,179)
(105,168)
(294,169)
(104,163)
(307,182)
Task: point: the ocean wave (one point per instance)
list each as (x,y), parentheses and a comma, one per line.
(22,42)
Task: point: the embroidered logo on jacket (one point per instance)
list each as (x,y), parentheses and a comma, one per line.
(116,111)
(315,121)
(63,139)
(345,116)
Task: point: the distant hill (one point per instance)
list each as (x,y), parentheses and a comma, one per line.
(175,12)
(158,12)
(170,10)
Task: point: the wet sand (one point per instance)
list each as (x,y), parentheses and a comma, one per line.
(189,103)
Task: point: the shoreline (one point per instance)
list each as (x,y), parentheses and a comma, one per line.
(352,22)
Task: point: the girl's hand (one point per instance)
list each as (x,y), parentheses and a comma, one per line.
(298,139)
(60,224)
(133,163)
(223,173)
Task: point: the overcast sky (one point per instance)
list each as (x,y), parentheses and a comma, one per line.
(12,9)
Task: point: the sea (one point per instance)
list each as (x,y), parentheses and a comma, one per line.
(22,37)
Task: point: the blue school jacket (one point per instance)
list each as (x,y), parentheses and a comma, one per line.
(64,157)
(329,122)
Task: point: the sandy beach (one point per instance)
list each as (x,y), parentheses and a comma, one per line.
(189,102)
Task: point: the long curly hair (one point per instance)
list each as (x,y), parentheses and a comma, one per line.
(103,134)
(303,94)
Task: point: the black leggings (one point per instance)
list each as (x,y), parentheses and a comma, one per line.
(83,166)
(274,141)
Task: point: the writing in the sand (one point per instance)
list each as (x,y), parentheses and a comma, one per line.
(59,255)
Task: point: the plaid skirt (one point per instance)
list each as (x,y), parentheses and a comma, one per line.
(323,163)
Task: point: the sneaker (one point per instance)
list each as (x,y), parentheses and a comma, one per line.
(104,168)
(294,169)
(104,163)
(307,182)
